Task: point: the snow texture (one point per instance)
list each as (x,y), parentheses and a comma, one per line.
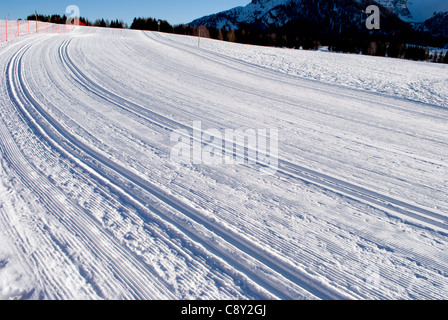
(92,207)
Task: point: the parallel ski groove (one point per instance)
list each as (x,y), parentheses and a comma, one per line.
(285,167)
(70,143)
(80,223)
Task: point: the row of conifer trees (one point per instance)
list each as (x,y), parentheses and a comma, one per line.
(368,44)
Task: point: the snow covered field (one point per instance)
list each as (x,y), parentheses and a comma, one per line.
(92,206)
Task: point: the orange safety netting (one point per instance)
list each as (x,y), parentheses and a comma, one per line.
(10,29)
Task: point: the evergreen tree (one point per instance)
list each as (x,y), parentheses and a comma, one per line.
(116,24)
(100,23)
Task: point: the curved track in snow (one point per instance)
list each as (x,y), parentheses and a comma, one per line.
(86,124)
(285,167)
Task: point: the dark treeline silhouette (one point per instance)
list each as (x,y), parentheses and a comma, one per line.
(152,24)
(118,24)
(55,18)
(367,44)
(58,19)
(399,42)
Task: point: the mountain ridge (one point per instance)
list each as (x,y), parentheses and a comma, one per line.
(324,19)
(276,13)
(399,8)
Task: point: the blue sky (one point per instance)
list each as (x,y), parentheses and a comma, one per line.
(175,11)
(424,9)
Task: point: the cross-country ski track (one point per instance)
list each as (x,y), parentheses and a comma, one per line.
(93,207)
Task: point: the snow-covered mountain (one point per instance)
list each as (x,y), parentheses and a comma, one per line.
(398,7)
(277,13)
(323,17)
(269,14)
(437,25)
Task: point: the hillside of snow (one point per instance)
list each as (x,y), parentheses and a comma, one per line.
(93,206)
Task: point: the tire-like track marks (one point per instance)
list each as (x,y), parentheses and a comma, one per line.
(258,264)
(396,207)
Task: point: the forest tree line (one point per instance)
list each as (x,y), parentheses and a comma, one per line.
(366,43)
(58,19)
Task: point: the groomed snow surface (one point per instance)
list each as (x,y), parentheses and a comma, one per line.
(92,206)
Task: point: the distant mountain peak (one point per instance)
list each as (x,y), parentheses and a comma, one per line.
(263,2)
(398,7)
(269,13)
(326,17)
(436,25)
